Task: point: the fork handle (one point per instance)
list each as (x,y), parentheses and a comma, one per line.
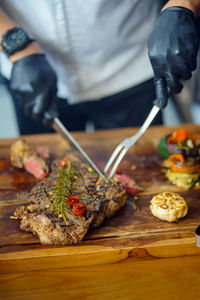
(161,92)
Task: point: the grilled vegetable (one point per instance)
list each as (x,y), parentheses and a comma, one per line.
(162,147)
(182,180)
(179,142)
(179,164)
(182,157)
(178,136)
(168,207)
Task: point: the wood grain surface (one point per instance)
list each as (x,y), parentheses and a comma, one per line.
(130,256)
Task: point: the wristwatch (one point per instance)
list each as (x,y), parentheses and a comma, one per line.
(14,40)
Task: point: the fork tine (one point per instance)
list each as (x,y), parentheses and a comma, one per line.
(117,162)
(113,156)
(129,142)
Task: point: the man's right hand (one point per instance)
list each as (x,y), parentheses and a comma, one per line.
(34,83)
(173,47)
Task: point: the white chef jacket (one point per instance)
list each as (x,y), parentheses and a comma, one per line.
(96,47)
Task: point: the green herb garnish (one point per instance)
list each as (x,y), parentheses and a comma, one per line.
(59,205)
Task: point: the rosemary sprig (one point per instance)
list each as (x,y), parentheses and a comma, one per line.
(59,206)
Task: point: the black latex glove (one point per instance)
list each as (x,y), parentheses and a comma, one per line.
(34,83)
(173,47)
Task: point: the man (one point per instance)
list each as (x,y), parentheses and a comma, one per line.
(95,56)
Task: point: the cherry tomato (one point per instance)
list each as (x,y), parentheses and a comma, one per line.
(118,171)
(63,163)
(72,199)
(79,209)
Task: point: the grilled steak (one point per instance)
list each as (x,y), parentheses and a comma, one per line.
(47,213)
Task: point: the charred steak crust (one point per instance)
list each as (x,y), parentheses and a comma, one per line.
(102,198)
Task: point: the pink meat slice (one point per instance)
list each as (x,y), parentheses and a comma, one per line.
(128,184)
(43,151)
(36,166)
(23,156)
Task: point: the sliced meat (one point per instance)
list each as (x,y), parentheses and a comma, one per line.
(51,218)
(43,151)
(35,164)
(17,152)
(128,184)
(22,156)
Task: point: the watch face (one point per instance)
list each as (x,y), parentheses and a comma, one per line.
(14,40)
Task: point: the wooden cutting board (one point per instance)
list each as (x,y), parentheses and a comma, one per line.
(133,235)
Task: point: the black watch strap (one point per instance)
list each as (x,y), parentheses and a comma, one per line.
(14,40)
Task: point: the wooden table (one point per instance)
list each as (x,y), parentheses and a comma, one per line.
(131,256)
